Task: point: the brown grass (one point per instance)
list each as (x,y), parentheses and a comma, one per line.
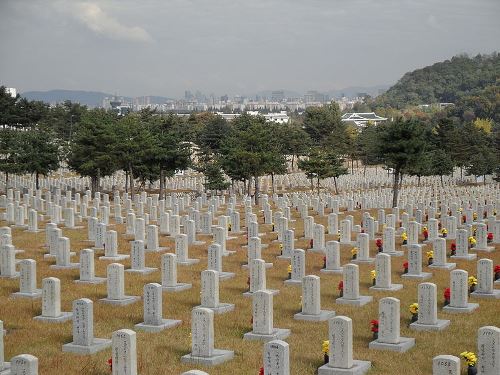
(160,353)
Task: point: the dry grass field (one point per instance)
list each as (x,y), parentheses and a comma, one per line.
(160,353)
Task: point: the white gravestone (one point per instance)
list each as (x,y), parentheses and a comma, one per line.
(169,274)
(459,293)
(311,301)
(116,286)
(332,258)
(351,294)
(488,350)
(427,310)
(153,308)
(202,340)
(214,261)
(27,281)
(446,365)
(383,277)
(341,350)
(415,264)
(84,341)
(138,259)
(262,319)
(24,364)
(124,352)
(210,293)
(389,328)
(298,262)
(276,358)
(181,250)
(87,269)
(440,261)
(484,288)
(51,302)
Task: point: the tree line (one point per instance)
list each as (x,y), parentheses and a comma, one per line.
(148,146)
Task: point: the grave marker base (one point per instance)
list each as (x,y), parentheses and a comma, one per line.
(494,295)
(422,276)
(96,346)
(218,356)
(361,301)
(14,276)
(322,316)
(70,266)
(95,280)
(267,265)
(278,334)
(157,250)
(165,323)
(395,253)
(65,316)
(293,282)
(358,368)
(273,291)
(466,257)
(177,288)
(363,261)
(439,326)
(115,258)
(188,262)
(334,271)
(460,310)
(445,266)
(392,287)
(6,369)
(221,309)
(144,271)
(126,300)
(34,295)
(488,249)
(402,346)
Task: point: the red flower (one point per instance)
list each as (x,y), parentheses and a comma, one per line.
(374,325)
(378,242)
(110,364)
(497,268)
(447,293)
(405,264)
(261,371)
(324,259)
(453,246)
(490,236)
(311,243)
(341,285)
(248,280)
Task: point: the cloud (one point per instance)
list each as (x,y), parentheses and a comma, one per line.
(101,23)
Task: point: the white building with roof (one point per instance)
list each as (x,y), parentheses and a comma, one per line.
(361,119)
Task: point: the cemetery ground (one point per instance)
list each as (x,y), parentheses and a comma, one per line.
(160,353)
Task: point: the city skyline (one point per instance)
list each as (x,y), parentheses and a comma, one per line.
(157,48)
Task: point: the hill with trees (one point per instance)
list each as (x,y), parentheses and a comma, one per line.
(458,80)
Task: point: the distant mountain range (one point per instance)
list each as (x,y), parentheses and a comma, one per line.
(94,98)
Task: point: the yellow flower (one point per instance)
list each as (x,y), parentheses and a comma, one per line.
(444,231)
(373,274)
(472,281)
(404,236)
(470,358)
(430,254)
(354,251)
(289,268)
(281,246)
(325,347)
(474,215)
(414,308)
(424,229)
(472,240)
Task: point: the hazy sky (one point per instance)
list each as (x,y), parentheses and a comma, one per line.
(163,47)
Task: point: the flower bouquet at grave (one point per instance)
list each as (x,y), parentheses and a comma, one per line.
(229,227)
(110,364)
(354,252)
(439,224)
(471,360)
(404,237)
(325,348)
(464,219)
(444,232)
(489,238)
(289,271)
(405,267)
(340,287)
(379,245)
(472,283)
(425,233)
(261,371)
(474,216)
(496,272)
(453,248)
(373,275)
(447,294)
(414,311)
(374,328)
(324,262)
(430,257)
(474,230)
(472,242)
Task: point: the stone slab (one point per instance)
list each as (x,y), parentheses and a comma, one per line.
(221,309)
(494,295)
(177,288)
(422,276)
(439,326)
(393,287)
(126,300)
(465,257)
(361,301)
(322,316)
(71,266)
(95,280)
(460,310)
(188,262)
(35,295)
(273,291)
(96,346)
(402,346)
(64,317)
(446,266)
(278,334)
(219,356)
(358,368)
(165,324)
(144,271)
(115,258)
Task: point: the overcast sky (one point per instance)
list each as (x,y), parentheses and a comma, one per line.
(163,47)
